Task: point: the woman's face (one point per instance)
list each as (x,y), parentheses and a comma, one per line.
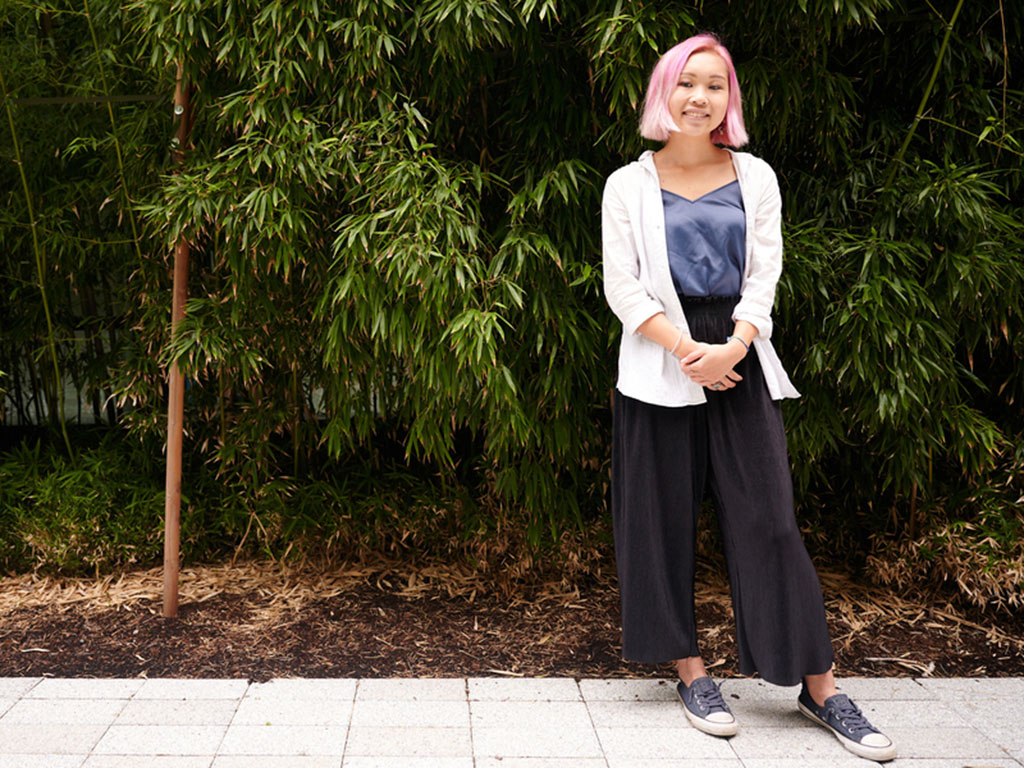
(700,99)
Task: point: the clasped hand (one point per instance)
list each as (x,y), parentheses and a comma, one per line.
(712,364)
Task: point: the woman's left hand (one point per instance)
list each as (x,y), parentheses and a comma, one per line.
(712,364)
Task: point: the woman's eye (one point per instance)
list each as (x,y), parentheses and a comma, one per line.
(684,83)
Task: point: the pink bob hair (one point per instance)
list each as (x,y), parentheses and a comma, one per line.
(656,123)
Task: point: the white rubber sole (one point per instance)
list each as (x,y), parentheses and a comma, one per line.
(707,726)
(878,754)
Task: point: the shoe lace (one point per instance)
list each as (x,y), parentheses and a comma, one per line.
(710,697)
(850,714)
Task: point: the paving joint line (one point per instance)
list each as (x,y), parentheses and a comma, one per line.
(351,717)
(234,714)
(469,713)
(593,725)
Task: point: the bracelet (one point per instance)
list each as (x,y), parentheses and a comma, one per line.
(678,339)
(741,341)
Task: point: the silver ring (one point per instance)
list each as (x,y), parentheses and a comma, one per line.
(716,385)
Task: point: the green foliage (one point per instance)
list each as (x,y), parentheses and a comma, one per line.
(89,515)
(96,514)
(393,211)
(981,554)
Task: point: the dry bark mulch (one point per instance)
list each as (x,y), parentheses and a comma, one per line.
(259,621)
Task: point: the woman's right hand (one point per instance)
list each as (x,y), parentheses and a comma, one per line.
(711,366)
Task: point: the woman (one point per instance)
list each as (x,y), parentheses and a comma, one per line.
(692,252)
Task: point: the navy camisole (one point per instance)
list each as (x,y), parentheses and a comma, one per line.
(706,241)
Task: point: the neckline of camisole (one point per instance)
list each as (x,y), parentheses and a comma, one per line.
(698,199)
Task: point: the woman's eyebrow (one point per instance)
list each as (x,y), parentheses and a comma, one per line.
(710,77)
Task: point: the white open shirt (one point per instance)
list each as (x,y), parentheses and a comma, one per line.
(638,282)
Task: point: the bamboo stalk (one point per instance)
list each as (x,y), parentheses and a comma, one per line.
(57,402)
(176,388)
(20,405)
(222,404)
(36,387)
(113,133)
(89,299)
(918,113)
(111,341)
(296,415)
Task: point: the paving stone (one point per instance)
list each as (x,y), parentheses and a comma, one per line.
(628,690)
(637,714)
(850,761)
(160,740)
(296,688)
(567,715)
(994,713)
(16,687)
(41,761)
(171,688)
(411,741)
(523,689)
(757,704)
(148,761)
(866,688)
(662,743)
(969,687)
(1016,752)
(276,761)
(923,714)
(767,713)
(67,711)
(629,762)
(284,740)
(187,712)
(793,743)
(943,743)
(369,761)
(933,763)
(534,741)
(6,704)
(998,719)
(84,688)
(35,739)
(412,689)
(541,762)
(279,711)
(440,714)
(746,689)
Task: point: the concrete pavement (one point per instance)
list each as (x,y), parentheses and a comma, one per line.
(486,723)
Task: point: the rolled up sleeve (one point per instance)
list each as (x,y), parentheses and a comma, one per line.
(757,296)
(624,292)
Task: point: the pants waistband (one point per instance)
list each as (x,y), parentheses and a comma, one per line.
(684,300)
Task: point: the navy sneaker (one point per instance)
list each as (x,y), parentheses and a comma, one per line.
(705,708)
(847,722)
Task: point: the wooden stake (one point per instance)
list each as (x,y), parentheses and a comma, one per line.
(176,385)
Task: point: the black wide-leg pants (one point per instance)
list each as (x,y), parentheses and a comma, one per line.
(662,458)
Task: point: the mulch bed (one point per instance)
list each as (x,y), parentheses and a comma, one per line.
(257,621)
